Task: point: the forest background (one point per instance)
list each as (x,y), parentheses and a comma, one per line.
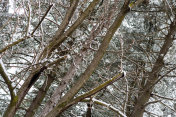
(100,58)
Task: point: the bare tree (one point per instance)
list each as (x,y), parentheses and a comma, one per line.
(56,55)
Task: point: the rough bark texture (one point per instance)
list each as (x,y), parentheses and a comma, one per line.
(59,38)
(58,91)
(88,72)
(14,105)
(145,93)
(40,96)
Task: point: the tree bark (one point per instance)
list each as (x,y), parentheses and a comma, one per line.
(88,72)
(40,96)
(15,103)
(145,93)
(58,91)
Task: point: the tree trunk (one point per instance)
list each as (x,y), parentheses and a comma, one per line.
(144,95)
(88,72)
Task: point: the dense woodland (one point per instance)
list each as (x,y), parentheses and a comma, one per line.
(87,58)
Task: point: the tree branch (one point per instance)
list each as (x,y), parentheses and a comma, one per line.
(69,103)
(40,96)
(49,8)
(32,78)
(4,75)
(60,37)
(109,106)
(26,37)
(98,56)
(145,94)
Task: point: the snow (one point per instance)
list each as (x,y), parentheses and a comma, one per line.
(13,10)
(109,106)
(3,67)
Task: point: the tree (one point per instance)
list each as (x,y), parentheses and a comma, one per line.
(57,56)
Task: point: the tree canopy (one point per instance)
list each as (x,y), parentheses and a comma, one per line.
(101,58)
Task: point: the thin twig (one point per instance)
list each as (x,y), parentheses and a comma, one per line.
(42,19)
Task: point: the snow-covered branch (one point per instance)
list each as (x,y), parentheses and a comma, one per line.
(109,106)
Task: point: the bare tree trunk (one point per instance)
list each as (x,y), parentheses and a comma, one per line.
(14,104)
(145,93)
(88,72)
(58,91)
(40,96)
